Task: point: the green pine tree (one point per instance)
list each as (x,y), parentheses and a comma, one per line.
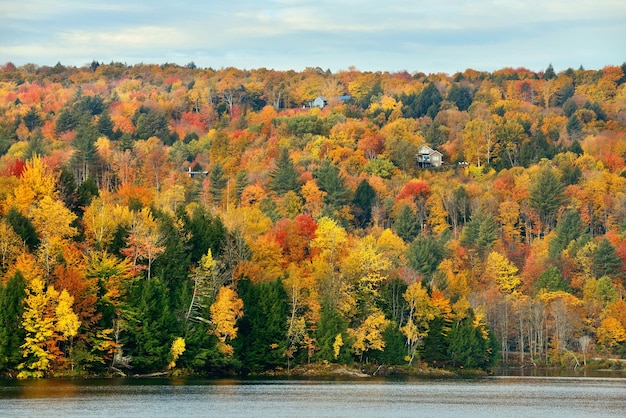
(284,177)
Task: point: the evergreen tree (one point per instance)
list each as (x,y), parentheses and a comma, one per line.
(364,197)
(568,229)
(549,74)
(218,182)
(552,281)
(460,95)
(11,332)
(205,232)
(261,338)
(24,228)
(395,347)
(331,335)
(406,224)
(105,125)
(606,260)
(331,181)
(284,177)
(428,101)
(436,344)
(546,197)
(152,328)
(468,347)
(424,255)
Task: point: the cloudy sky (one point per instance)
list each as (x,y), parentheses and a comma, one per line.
(387,35)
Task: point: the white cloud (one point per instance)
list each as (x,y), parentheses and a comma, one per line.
(424,35)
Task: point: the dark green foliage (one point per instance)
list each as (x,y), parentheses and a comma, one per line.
(173,264)
(547,196)
(549,74)
(85,157)
(569,228)
(306,124)
(151,123)
(24,228)
(574,126)
(467,347)
(261,339)
(66,185)
(406,223)
(569,108)
(435,134)
(218,182)
(331,324)
(152,326)
(552,281)
(460,95)
(11,332)
(206,231)
(66,121)
(436,344)
(31,119)
(330,180)
(284,177)
(424,104)
(240,184)
(606,262)
(105,125)
(91,105)
(480,232)
(395,347)
(364,198)
(425,254)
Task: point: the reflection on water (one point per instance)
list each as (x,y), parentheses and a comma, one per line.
(493,396)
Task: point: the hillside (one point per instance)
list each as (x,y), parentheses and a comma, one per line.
(158,217)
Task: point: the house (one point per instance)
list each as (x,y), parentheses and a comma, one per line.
(428,157)
(197,173)
(321,101)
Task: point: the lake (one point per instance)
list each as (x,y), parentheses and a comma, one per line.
(512,396)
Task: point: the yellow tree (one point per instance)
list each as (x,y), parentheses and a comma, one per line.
(10,245)
(369,335)
(102,219)
(225,312)
(421,312)
(48,320)
(504,273)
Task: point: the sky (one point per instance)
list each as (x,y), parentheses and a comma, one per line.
(429,36)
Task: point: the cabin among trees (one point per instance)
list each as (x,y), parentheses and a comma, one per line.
(428,157)
(321,101)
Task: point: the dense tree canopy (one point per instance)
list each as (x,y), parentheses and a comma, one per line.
(156,218)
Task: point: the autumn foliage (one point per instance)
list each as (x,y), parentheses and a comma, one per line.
(162,217)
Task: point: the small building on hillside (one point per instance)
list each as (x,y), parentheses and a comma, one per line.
(428,157)
(321,101)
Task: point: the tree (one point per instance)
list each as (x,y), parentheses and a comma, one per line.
(218,182)
(331,181)
(424,255)
(421,312)
(546,197)
(606,260)
(460,95)
(284,177)
(48,320)
(225,312)
(12,334)
(261,339)
(364,197)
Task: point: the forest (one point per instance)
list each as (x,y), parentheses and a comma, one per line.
(167,218)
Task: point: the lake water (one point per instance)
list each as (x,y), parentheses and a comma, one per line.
(509,396)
